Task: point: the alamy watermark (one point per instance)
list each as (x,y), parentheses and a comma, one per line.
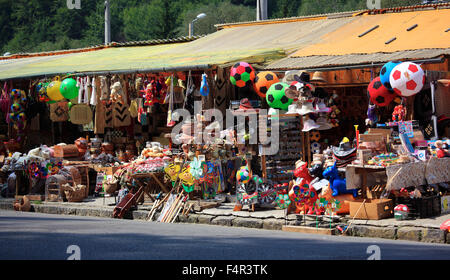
(74,4)
(374,252)
(74,252)
(373,4)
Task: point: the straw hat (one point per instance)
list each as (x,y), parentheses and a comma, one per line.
(318,77)
(296,75)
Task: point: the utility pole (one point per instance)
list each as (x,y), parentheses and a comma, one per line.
(261,10)
(107,23)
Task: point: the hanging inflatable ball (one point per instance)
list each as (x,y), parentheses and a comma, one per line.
(276,97)
(407,79)
(263,81)
(379,94)
(385,73)
(242,74)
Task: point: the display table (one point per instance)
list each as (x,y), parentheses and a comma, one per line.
(142,179)
(362,171)
(398,176)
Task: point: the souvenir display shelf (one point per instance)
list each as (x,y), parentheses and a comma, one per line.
(279,168)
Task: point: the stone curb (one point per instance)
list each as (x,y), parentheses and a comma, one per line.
(420,234)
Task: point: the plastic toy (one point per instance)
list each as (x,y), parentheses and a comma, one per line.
(337,184)
(204,88)
(69,88)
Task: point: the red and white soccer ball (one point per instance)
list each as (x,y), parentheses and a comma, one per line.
(407,79)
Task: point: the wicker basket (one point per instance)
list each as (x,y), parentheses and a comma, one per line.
(75,194)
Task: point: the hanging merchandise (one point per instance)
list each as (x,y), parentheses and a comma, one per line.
(379,94)
(170,95)
(399,113)
(189,98)
(263,81)
(17,112)
(407,79)
(53,90)
(41,89)
(276,97)
(117,93)
(204,87)
(242,74)
(385,73)
(142,113)
(59,112)
(69,89)
(104,90)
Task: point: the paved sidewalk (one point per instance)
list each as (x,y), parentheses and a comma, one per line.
(424,230)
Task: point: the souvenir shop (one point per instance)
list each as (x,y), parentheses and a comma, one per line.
(343,147)
(369,143)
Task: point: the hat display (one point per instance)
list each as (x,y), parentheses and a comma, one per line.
(322,108)
(319,77)
(309,125)
(323,124)
(307,107)
(292,109)
(245,104)
(344,154)
(296,75)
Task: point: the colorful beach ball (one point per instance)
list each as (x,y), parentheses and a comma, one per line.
(243,175)
(242,74)
(276,97)
(379,94)
(407,79)
(385,73)
(263,81)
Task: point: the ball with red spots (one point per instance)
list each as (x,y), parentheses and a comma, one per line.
(242,74)
(263,81)
(407,79)
(379,94)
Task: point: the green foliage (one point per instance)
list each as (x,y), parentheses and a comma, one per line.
(44,25)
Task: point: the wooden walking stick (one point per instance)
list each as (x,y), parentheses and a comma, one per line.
(356,214)
(174,204)
(154,205)
(159,205)
(179,209)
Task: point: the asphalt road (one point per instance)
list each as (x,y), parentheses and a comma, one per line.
(34,236)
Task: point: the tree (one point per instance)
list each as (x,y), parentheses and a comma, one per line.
(216,13)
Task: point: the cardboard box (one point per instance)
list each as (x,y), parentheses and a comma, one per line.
(373,209)
(445,204)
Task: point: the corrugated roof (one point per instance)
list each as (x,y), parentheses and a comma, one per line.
(323,61)
(390,32)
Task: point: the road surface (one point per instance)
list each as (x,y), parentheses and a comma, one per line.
(35,236)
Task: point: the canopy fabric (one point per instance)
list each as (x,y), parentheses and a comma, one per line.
(430,33)
(254,43)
